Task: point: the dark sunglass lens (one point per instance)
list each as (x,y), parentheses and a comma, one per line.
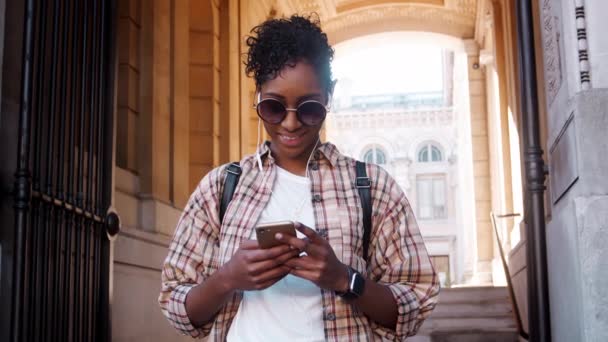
(312,113)
(271,111)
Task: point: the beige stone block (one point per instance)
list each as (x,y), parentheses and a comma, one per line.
(216,52)
(126,181)
(122,136)
(481,168)
(485,244)
(135,312)
(133,119)
(201,115)
(128,42)
(126,139)
(482,209)
(253,131)
(128,208)
(483,190)
(216,118)
(158,216)
(197,172)
(128,89)
(201,17)
(216,15)
(216,84)
(477,103)
(479,127)
(480,148)
(201,81)
(201,48)
(477,88)
(130,9)
(201,149)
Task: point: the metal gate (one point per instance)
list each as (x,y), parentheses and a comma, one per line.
(63,179)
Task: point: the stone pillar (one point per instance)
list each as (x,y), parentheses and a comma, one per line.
(230,79)
(154,141)
(181,104)
(204,88)
(162,150)
(129,71)
(577,118)
(481,166)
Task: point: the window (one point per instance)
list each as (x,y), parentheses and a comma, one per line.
(431,197)
(429,153)
(374,155)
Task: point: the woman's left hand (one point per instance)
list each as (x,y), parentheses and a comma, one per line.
(320,264)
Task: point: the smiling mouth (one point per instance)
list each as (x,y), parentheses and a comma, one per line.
(290,139)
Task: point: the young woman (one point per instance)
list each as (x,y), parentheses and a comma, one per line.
(319,286)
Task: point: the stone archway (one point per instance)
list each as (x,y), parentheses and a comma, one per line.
(344,20)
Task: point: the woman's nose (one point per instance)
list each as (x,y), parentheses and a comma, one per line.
(291,121)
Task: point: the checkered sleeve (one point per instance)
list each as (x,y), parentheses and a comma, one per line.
(192,255)
(402,263)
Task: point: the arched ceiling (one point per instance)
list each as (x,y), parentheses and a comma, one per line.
(347,19)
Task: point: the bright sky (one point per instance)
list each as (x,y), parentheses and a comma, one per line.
(388,67)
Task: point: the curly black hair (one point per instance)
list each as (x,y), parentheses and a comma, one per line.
(286,41)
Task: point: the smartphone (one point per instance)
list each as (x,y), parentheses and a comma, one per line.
(265,233)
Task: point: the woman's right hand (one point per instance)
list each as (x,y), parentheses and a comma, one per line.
(253,268)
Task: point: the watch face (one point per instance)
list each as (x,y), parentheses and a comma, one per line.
(357,284)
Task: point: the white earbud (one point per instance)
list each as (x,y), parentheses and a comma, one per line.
(257,153)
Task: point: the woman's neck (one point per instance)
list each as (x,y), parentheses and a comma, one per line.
(296,165)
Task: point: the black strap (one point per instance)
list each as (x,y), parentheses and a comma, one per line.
(233,173)
(363,184)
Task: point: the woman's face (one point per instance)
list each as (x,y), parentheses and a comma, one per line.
(291,139)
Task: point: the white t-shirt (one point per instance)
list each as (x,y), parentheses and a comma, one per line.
(291,309)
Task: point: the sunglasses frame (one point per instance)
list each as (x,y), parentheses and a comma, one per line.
(287,110)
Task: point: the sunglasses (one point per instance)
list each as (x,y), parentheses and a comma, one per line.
(309,113)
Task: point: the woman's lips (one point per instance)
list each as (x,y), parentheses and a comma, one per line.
(290,140)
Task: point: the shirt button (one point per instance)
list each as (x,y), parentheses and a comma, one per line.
(314,166)
(316,198)
(323,233)
(330,317)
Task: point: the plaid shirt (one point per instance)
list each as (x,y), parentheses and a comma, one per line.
(398,257)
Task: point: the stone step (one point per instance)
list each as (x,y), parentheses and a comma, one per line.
(474,337)
(472,314)
(456,310)
(469,295)
(463,324)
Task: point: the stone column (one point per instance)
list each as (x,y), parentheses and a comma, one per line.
(159,126)
(181,104)
(481,166)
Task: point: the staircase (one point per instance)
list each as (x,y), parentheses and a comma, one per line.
(470,314)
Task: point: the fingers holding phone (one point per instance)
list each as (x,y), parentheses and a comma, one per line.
(254,268)
(320,265)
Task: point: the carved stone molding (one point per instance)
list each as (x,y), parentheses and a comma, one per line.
(551,50)
(457,22)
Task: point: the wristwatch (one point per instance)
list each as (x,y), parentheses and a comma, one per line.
(356,285)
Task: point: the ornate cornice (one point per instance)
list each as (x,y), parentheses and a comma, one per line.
(459,22)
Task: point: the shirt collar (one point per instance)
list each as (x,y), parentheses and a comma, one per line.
(324,150)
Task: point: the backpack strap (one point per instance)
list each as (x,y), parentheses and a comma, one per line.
(233,173)
(363,184)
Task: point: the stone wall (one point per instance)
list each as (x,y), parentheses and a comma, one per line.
(577,119)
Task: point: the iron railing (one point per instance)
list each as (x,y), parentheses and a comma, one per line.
(63,181)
